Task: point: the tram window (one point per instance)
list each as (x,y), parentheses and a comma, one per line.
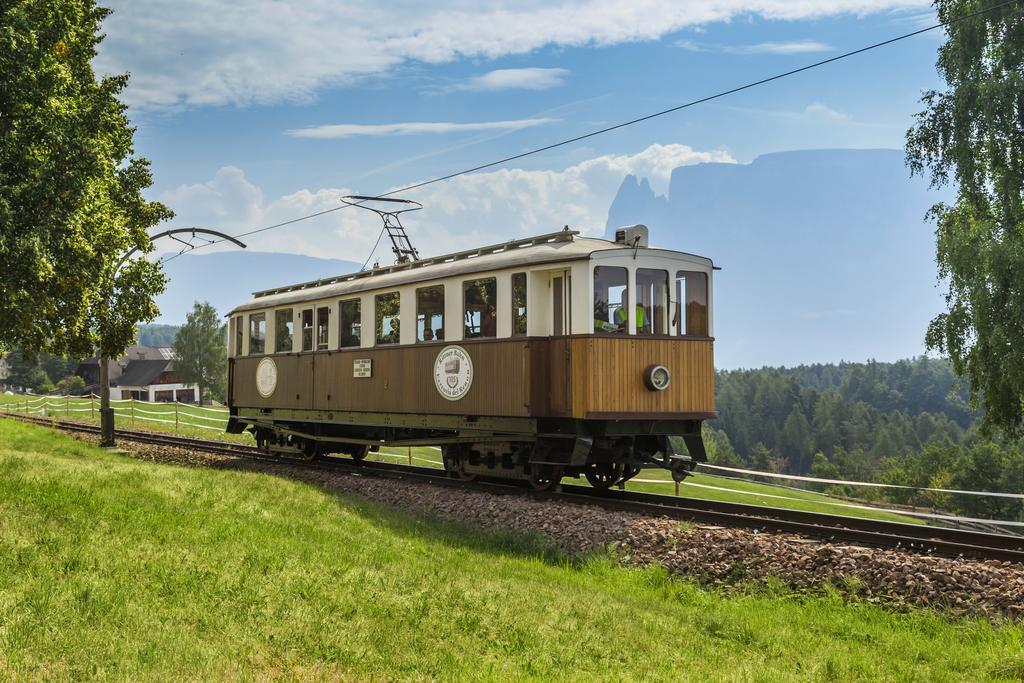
(257,333)
(284,326)
(387,320)
(518,304)
(430,313)
(350,328)
(238,335)
(307,329)
(479,307)
(651,301)
(691,305)
(323,323)
(611,297)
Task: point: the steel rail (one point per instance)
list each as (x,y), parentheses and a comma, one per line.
(941,541)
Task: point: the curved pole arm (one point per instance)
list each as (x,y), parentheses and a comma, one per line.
(178,231)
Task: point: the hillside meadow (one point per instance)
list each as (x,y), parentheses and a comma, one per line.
(114,568)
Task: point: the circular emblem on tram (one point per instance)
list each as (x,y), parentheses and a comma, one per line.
(266,377)
(453,372)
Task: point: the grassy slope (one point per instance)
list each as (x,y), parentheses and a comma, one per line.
(741,491)
(111,567)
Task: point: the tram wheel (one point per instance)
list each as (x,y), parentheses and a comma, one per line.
(544,477)
(604,475)
(358,453)
(629,472)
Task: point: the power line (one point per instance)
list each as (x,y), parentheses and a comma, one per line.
(647,117)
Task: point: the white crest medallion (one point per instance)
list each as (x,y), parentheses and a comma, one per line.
(266,377)
(453,372)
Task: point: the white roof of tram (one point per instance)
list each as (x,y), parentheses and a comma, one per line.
(554,247)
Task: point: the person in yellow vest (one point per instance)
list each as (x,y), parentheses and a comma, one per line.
(620,315)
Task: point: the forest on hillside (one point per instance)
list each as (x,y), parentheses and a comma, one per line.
(906,423)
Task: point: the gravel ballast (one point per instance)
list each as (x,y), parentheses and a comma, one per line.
(714,556)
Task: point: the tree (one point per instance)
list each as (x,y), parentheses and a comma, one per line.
(26,373)
(720,451)
(972,135)
(822,468)
(72,385)
(796,441)
(70,189)
(761,458)
(200,350)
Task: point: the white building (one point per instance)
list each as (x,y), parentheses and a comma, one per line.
(153,380)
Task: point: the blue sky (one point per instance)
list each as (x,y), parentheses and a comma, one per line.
(255,112)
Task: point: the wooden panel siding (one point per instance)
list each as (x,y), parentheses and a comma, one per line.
(294,382)
(581,376)
(608,375)
(402,380)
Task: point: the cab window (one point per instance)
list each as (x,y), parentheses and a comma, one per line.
(387,321)
(430,313)
(284,326)
(257,333)
(690,317)
(651,301)
(479,307)
(239,323)
(350,328)
(611,299)
(519,304)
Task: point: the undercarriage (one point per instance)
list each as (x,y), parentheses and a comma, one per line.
(541,452)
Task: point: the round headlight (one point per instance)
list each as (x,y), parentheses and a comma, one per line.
(657,377)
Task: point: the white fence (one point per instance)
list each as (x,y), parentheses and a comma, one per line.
(171,413)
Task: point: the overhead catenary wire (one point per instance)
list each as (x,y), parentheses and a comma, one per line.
(639,119)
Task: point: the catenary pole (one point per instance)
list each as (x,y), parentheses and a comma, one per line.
(106,414)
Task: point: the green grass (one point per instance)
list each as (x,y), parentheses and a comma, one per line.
(158,417)
(751,493)
(116,568)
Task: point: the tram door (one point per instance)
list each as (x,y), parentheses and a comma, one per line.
(559,379)
(561,290)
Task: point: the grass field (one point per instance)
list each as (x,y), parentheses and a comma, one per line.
(161,417)
(117,568)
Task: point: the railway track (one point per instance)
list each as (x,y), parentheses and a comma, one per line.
(942,541)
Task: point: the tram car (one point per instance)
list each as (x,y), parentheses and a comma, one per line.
(534,359)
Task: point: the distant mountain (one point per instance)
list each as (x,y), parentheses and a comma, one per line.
(157,335)
(825,254)
(226,279)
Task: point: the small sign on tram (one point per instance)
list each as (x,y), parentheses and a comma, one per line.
(362,367)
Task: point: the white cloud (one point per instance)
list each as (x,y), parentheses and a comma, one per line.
(787,48)
(819,110)
(776,48)
(348,130)
(516,79)
(481,208)
(191,53)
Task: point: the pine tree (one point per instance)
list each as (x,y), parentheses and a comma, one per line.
(200,350)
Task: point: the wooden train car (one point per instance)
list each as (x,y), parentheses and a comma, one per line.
(539,358)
